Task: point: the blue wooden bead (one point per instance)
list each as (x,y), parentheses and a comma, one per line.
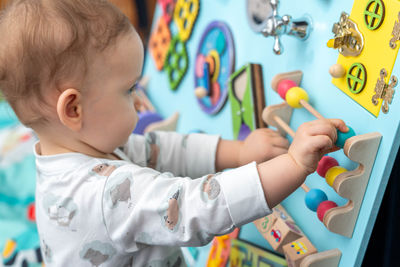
(342,137)
(314,197)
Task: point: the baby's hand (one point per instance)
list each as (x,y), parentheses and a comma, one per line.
(314,139)
(262,145)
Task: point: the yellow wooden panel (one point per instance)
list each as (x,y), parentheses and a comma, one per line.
(375,55)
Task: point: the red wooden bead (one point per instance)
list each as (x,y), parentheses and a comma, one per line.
(284,86)
(325,164)
(324,207)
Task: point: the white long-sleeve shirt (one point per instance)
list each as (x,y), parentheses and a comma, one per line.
(100,212)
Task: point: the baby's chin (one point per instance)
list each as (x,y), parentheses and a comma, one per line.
(124,141)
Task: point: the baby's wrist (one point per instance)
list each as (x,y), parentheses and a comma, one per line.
(242,154)
(302,169)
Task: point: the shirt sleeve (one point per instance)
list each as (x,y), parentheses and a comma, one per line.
(191,155)
(144,207)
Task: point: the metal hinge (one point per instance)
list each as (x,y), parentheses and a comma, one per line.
(384,91)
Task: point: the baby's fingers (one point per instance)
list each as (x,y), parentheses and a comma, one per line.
(340,125)
(323,127)
(321,143)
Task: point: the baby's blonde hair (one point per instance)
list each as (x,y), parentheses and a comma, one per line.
(44,43)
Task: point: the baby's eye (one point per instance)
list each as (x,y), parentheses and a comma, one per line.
(133,88)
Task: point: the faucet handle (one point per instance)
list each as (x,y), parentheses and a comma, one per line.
(278,48)
(265,19)
(278,26)
(274,5)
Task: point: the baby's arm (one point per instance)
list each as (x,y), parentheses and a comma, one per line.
(143,206)
(284,174)
(190,155)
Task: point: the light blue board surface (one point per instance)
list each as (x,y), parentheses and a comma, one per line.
(314,59)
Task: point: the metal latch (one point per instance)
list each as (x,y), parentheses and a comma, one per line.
(348,39)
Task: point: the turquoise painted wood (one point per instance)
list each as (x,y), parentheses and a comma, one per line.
(314,59)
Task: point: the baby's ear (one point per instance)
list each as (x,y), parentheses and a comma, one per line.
(69,109)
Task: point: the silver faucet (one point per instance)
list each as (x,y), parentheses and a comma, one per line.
(277,26)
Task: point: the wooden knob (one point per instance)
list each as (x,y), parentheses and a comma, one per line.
(337,71)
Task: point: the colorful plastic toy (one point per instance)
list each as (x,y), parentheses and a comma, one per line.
(168,7)
(159,43)
(176,62)
(220,249)
(185,15)
(216,49)
(244,254)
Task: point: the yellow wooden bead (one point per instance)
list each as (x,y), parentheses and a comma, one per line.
(332,173)
(294,95)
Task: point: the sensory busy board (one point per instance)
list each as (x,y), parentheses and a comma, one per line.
(228,67)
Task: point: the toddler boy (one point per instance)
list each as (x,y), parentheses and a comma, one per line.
(68,68)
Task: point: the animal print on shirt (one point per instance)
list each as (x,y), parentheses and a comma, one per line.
(210,188)
(152,150)
(61,210)
(97,252)
(119,189)
(169,210)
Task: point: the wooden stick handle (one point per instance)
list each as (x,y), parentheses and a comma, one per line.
(305,188)
(284,126)
(312,110)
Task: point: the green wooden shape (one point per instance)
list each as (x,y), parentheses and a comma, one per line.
(236,115)
(373,18)
(242,111)
(247,103)
(176,62)
(356,81)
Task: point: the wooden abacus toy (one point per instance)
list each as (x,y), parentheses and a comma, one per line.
(316,199)
(358,148)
